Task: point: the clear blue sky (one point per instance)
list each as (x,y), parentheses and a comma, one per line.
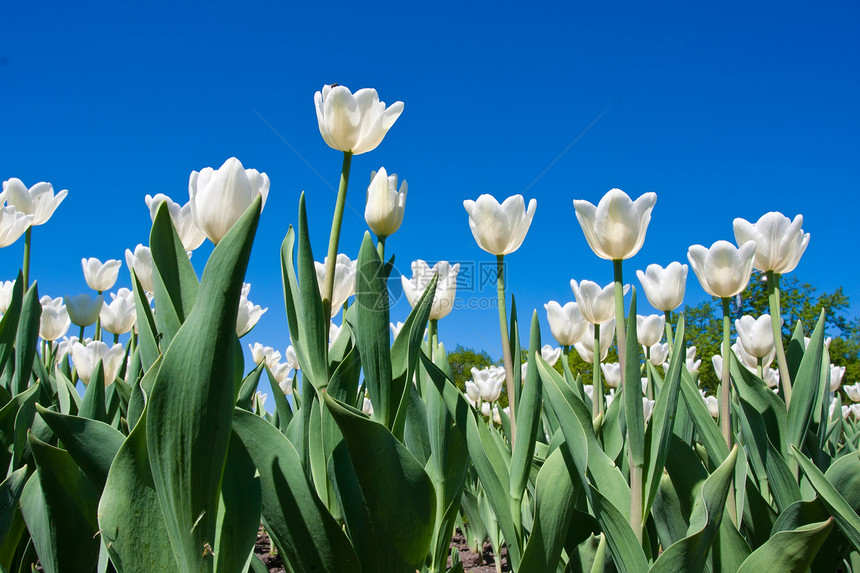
(723,109)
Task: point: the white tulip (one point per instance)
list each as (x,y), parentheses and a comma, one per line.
(395,328)
(500,228)
(86,357)
(771,377)
(446,286)
(83,309)
(658,353)
(749,361)
(691,363)
(611,373)
(54,322)
(63,347)
(585,347)
(13,223)
(780,242)
(565,322)
(385,205)
(220,196)
(292,359)
(281,373)
(596,304)
(550,354)
(649,329)
(853,391)
(473,393)
(836,374)
(664,288)
(855,411)
(7,288)
(755,335)
(264,354)
(100,276)
(367,406)
(647,408)
(713,405)
(119,316)
(723,270)
(249,313)
(189,234)
(615,228)
(333,333)
(489,382)
(354,122)
(140,261)
(344,280)
(39,200)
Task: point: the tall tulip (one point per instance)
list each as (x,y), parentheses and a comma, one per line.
(755,335)
(664,289)
(100,276)
(446,286)
(220,196)
(780,242)
(649,329)
(7,288)
(500,229)
(385,204)
(182,217)
(343,282)
(119,316)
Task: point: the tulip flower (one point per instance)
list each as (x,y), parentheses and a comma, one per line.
(489,382)
(140,261)
(664,288)
(647,408)
(771,377)
(63,347)
(657,353)
(585,347)
(182,217)
(264,354)
(86,357)
(7,288)
(649,329)
(249,313)
(723,270)
(836,374)
(755,335)
(749,361)
(691,363)
(119,316)
(100,276)
(354,123)
(611,373)
(343,285)
(385,204)
(291,358)
(281,373)
(54,322)
(853,391)
(367,406)
(780,242)
(565,322)
(595,303)
(500,229)
(615,228)
(13,224)
(395,329)
(220,196)
(550,354)
(333,333)
(83,309)
(446,286)
(39,200)
(473,393)
(712,405)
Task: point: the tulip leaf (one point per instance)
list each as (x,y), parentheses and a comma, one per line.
(9,322)
(191,404)
(555,495)
(806,386)
(633,409)
(59,506)
(130,518)
(384,491)
(26,338)
(238,511)
(845,515)
(93,404)
(249,387)
(10,493)
(626,551)
(173,276)
(9,426)
(282,405)
(91,443)
(690,553)
(706,428)
(789,550)
(297,521)
(147,334)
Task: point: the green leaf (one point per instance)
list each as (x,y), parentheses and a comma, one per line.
(690,553)
(790,551)
(633,412)
(238,511)
(249,387)
(708,432)
(130,518)
(10,492)
(297,521)
(92,444)
(147,333)
(386,490)
(282,405)
(93,404)
(59,505)
(11,426)
(9,322)
(191,405)
(26,339)
(626,552)
(805,387)
(528,415)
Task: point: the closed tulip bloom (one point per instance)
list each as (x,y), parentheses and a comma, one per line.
(281,373)
(13,223)
(7,288)
(141,262)
(249,313)
(712,405)
(585,347)
(780,242)
(100,276)
(550,354)
(86,357)
(615,228)
(647,408)
(446,286)
(659,353)
(771,377)
(611,373)
(119,316)
(853,391)
(836,374)
(755,335)
(385,204)
(84,309)
(749,361)
(39,200)
(54,322)
(473,393)
(344,280)
(596,304)
(354,122)
(723,270)
(291,358)
(500,229)
(489,382)
(220,196)
(565,322)
(649,329)
(189,234)
(664,288)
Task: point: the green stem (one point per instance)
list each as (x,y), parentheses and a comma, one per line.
(116,338)
(596,383)
(432,336)
(99,324)
(620,330)
(669,332)
(650,388)
(726,396)
(506,344)
(759,368)
(335,237)
(773,303)
(380,248)
(26,269)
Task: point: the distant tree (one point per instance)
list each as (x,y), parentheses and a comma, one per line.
(463,359)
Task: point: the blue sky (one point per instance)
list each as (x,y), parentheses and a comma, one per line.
(723,109)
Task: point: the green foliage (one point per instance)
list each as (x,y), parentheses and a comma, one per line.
(463,359)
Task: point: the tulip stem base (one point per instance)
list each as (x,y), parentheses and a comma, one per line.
(506,343)
(596,382)
(336,223)
(775,313)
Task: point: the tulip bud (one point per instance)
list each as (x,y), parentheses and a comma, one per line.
(54,322)
(615,228)
(100,276)
(385,205)
(249,313)
(836,374)
(7,288)
(596,304)
(140,261)
(565,322)
(649,329)
(723,270)
(119,316)
(612,373)
(755,335)
(86,357)
(344,280)
(84,309)
(500,229)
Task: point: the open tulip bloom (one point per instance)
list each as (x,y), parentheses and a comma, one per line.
(182,217)
(596,303)
(446,286)
(356,123)
(500,229)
